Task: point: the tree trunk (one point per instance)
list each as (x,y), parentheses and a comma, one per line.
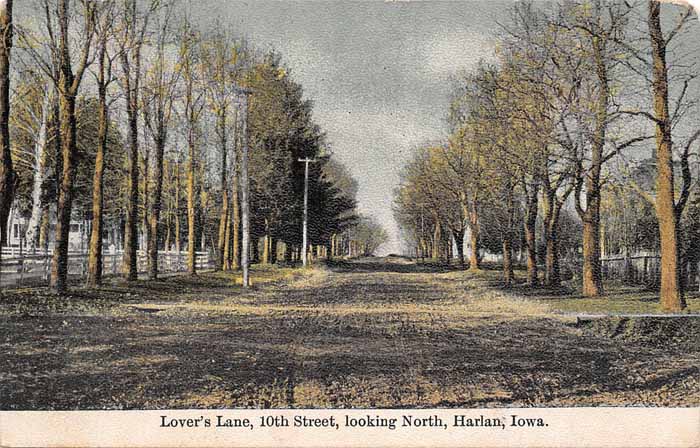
(474,264)
(224,223)
(552,271)
(44,229)
(244,185)
(592,278)
(221,123)
(41,158)
(236,227)
(129,263)
(227,242)
(266,249)
(178,235)
(156,204)
(255,246)
(508,275)
(191,210)
(436,241)
(472,214)
(459,242)
(59,264)
(145,223)
(671,292)
(7,173)
(531,210)
(95,255)
(273,250)
(552,210)
(288,253)
(447,241)
(168,220)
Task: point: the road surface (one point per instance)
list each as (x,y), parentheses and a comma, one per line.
(370,333)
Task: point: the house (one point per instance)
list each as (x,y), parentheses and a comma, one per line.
(78,235)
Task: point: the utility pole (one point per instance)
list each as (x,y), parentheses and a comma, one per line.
(422,234)
(244,184)
(304,242)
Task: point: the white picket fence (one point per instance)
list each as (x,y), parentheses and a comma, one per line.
(34,269)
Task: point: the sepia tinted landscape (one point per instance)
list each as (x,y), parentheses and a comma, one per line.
(228,204)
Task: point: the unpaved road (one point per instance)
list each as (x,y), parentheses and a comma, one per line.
(373,333)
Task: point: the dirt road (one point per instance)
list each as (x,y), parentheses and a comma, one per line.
(372,333)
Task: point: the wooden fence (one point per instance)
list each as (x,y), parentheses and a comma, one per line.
(34,269)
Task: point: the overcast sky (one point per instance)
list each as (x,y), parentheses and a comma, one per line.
(378,73)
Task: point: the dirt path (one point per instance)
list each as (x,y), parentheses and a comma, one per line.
(366,334)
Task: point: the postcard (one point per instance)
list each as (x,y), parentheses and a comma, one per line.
(349,223)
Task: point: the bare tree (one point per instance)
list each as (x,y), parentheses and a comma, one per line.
(103,78)
(65,67)
(245,191)
(7,174)
(35,124)
(193,107)
(158,98)
(598,28)
(664,117)
(220,63)
(133,25)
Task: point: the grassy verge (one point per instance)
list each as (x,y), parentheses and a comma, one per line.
(116,292)
(618,298)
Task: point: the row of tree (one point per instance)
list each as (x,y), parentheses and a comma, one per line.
(554,128)
(125,114)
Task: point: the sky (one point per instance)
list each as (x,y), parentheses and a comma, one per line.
(379,74)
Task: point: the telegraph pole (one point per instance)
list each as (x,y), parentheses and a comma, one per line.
(304,242)
(244,184)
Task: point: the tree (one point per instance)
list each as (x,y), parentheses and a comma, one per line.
(158,96)
(281,132)
(595,28)
(368,235)
(133,25)
(334,205)
(193,106)
(104,78)
(7,175)
(245,189)
(433,197)
(31,120)
(668,209)
(222,60)
(68,84)
(540,80)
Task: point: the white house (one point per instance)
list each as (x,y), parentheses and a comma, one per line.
(78,235)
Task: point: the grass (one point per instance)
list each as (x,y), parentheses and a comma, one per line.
(115,292)
(618,298)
